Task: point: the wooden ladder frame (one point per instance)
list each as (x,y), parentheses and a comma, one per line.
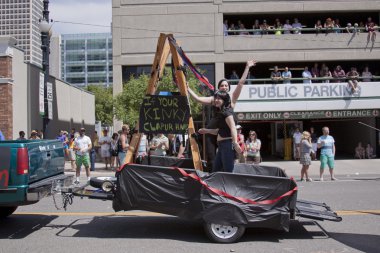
(164,48)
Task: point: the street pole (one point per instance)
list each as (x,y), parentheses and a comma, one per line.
(45,46)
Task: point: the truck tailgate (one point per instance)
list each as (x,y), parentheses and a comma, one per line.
(46,158)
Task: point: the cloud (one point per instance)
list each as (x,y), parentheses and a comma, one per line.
(94,12)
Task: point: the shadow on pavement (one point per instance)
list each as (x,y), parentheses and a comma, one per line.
(20,226)
(172,228)
(363,242)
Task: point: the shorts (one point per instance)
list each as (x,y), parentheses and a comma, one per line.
(105,153)
(122,156)
(83,159)
(327,160)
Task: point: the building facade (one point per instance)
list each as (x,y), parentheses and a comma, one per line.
(20,97)
(20,19)
(86,59)
(272,110)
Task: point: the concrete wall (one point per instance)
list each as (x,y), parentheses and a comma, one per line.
(20,93)
(72,107)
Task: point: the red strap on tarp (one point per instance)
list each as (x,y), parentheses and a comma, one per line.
(238,199)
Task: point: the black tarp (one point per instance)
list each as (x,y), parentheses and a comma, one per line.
(209,197)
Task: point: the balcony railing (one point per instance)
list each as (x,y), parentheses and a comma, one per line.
(273,30)
(301,79)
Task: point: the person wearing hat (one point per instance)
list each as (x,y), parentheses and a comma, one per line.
(82,147)
(33,135)
(240,140)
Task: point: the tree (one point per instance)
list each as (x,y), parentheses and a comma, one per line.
(104,103)
(127,103)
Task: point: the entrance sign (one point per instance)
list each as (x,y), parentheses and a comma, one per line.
(164,114)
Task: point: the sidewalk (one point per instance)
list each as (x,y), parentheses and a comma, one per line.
(343,168)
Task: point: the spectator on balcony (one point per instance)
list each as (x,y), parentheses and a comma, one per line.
(352,79)
(234,75)
(371,27)
(256,26)
(297,26)
(265,27)
(367,76)
(339,74)
(337,26)
(275,75)
(231,29)
(349,28)
(318,26)
(329,25)
(286,76)
(306,74)
(326,73)
(287,27)
(277,28)
(225,27)
(315,73)
(243,30)
(322,69)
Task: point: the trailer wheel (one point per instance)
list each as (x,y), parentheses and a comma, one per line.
(97,182)
(223,234)
(5,211)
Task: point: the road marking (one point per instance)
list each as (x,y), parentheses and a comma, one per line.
(143,213)
(358,212)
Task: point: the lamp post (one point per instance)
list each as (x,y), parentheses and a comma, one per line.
(45,46)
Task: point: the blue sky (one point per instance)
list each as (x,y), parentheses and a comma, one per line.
(97,12)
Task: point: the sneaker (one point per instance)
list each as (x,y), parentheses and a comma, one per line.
(302,180)
(334,179)
(309,180)
(321,179)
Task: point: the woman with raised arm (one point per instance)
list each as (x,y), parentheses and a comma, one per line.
(223,85)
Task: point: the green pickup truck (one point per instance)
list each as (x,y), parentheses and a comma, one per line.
(28,170)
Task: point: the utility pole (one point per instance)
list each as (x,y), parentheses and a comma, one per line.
(45,46)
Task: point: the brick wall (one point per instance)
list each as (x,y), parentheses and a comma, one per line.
(6,66)
(6,110)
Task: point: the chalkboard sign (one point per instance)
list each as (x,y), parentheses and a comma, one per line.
(164,114)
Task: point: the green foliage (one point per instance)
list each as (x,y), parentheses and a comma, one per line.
(103,103)
(127,103)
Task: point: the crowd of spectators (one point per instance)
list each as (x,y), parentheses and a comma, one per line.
(318,73)
(329,25)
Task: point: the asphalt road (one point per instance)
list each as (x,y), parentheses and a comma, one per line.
(92,226)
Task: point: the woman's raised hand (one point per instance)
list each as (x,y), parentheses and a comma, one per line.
(251,63)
